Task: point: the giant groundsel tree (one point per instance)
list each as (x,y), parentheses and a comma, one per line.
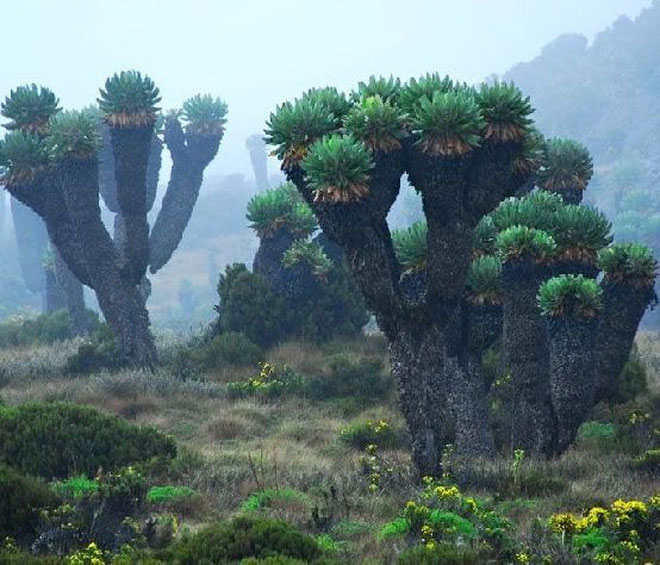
(58,176)
(465,150)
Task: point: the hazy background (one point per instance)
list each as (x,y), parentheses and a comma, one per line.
(257,53)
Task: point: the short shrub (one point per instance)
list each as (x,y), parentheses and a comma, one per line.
(632,381)
(269,497)
(241,538)
(42,330)
(364,433)
(21,499)
(59,440)
(444,554)
(180,499)
(229,348)
(363,380)
(75,488)
(97,353)
(649,461)
(271,381)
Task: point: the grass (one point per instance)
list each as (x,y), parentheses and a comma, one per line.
(231,449)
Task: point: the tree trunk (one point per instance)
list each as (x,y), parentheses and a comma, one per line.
(268,259)
(571,375)
(32,243)
(623,308)
(417,355)
(131,148)
(119,300)
(74,296)
(526,357)
(54,298)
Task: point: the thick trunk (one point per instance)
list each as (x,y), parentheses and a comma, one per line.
(268,259)
(32,242)
(623,308)
(526,358)
(119,300)
(74,296)
(131,148)
(259,162)
(54,298)
(417,356)
(190,156)
(571,375)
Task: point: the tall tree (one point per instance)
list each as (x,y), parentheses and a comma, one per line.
(256,146)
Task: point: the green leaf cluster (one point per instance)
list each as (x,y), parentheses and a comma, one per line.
(483,284)
(566,164)
(310,253)
(281,207)
(22,157)
(519,242)
(334,101)
(129,100)
(570,295)
(484,236)
(630,263)
(449,123)
(577,227)
(415,90)
(388,89)
(377,123)
(205,115)
(293,127)
(337,169)
(535,210)
(411,247)
(73,135)
(506,111)
(30,108)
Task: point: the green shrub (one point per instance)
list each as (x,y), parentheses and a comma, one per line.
(58,440)
(364,433)
(241,538)
(75,488)
(268,497)
(632,381)
(597,434)
(42,330)
(649,461)
(271,381)
(363,380)
(230,348)
(21,499)
(444,554)
(181,499)
(97,353)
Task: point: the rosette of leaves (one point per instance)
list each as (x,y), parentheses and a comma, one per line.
(388,89)
(630,263)
(566,164)
(411,247)
(205,115)
(73,135)
(506,112)
(485,234)
(336,102)
(281,207)
(415,90)
(568,295)
(30,108)
(377,123)
(129,100)
(519,242)
(23,158)
(483,284)
(309,253)
(530,158)
(294,127)
(536,210)
(580,232)
(449,124)
(337,169)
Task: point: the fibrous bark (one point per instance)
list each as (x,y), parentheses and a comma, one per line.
(571,375)
(526,358)
(623,308)
(73,295)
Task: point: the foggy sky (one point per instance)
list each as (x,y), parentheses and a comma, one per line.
(257,53)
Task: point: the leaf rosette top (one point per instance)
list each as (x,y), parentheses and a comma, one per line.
(74,135)
(567,295)
(411,247)
(129,100)
(23,158)
(631,263)
(205,115)
(30,108)
(309,253)
(566,164)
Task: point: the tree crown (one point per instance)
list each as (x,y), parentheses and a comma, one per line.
(307,252)
(30,108)
(566,164)
(73,135)
(411,247)
(129,100)
(570,295)
(205,115)
(631,263)
(483,284)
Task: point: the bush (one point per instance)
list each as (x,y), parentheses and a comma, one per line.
(42,330)
(362,434)
(632,381)
(230,348)
(363,381)
(242,538)
(444,554)
(268,497)
(98,352)
(649,461)
(270,382)
(58,440)
(597,434)
(180,499)
(21,499)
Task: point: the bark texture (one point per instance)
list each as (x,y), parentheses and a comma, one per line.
(73,295)
(623,308)
(32,242)
(526,358)
(571,375)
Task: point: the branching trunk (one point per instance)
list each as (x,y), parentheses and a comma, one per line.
(119,300)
